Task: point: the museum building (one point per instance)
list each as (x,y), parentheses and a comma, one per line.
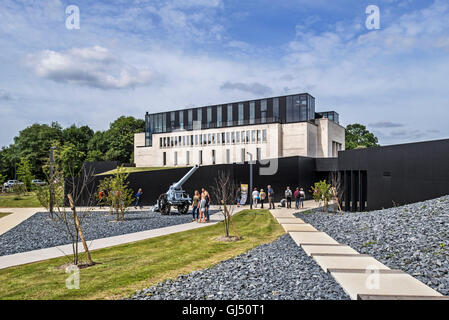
(268,128)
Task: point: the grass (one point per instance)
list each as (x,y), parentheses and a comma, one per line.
(11,200)
(4,214)
(126,268)
(136,169)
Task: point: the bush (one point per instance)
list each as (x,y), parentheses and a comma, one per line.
(321,191)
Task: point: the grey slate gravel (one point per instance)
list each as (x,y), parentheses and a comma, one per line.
(38,232)
(413,238)
(279,270)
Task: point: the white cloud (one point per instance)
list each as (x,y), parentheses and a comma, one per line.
(93,67)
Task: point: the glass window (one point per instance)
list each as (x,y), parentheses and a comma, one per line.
(213,156)
(218,138)
(196,139)
(190,119)
(164,122)
(289,112)
(243,136)
(276,109)
(209,117)
(172,120)
(233,137)
(263,111)
(213,138)
(229,115)
(259,138)
(253,135)
(298,113)
(228,137)
(252,112)
(241,114)
(204,139)
(248,133)
(223,138)
(209,138)
(181,120)
(201,139)
(311,109)
(219,116)
(199,119)
(237,138)
(264,135)
(258,154)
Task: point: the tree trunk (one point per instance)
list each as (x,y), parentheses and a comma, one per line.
(80,231)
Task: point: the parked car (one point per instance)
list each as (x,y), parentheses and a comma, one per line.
(38,182)
(12,183)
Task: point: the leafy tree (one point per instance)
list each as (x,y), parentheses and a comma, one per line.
(357,136)
(321,191)
(7,160)
(24,173)
(118,194)
(78,136)
(71,159)
(34,143)
(120,137)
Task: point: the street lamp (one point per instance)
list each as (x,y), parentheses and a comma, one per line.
(51,179)
(250,180)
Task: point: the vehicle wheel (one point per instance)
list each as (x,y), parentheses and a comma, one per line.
(184,208)
(164,205)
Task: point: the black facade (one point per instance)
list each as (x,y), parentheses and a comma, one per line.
(282,109)
(384,177)
(371,179)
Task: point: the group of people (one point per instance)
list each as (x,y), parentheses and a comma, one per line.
(260,196)
(200,206)
(137,203)
(299,195)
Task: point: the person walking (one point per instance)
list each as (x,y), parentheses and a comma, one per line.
(262,196)
(207,205)
(288,197)
(101,196)
(302,197)
(296,196)
(270,197)
(255,195)
(202,218)
(196,205)
(138,195)
(238,196)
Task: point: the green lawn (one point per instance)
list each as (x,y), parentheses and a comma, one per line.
(126,268)
(4,214)
(29,200)
(136,169)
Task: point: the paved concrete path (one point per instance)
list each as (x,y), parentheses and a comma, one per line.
(17,216)
(360,275)
(59,251)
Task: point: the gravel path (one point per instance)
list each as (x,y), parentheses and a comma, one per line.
(413,238)
(38,231)
(280,270)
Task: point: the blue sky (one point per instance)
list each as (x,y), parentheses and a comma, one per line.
(129,57)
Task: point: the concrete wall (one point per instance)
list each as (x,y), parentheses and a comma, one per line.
(303,139)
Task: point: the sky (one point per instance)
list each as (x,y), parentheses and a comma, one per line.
(132,56)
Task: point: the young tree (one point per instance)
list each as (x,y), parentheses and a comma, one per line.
(224,194)
(336,187)
(118,194)
(357,136)
(79,188)
(24,173)
(321,191)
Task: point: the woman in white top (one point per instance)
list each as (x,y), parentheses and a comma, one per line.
(255,197)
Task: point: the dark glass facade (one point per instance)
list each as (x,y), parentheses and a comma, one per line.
(284,109)
(331,115)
